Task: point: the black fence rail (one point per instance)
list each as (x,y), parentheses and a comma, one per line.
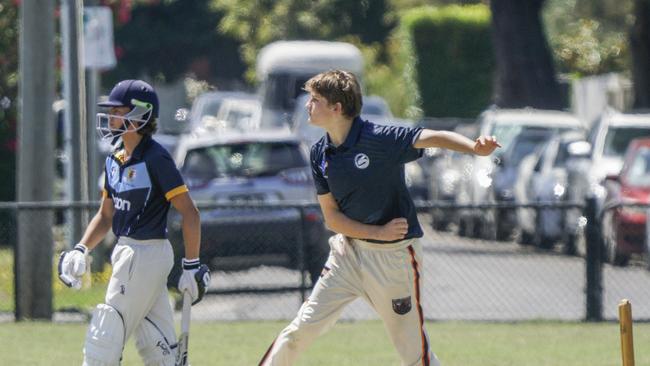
(265,257)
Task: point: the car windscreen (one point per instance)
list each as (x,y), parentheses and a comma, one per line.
(506,132)
(525,145)
(281,90)
(251,159)
(639,172)
(618,138)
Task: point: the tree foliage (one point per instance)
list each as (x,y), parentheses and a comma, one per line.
(589,37)
(165,40)
(256,23)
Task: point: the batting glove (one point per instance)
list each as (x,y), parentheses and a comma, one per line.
(195,279)
(72,266)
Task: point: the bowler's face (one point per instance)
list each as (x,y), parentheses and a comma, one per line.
(319,109)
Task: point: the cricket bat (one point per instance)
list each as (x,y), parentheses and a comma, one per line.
(181,355)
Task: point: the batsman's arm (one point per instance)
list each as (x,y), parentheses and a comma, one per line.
(338,222)
(99,224)
(484,145)
(191,223)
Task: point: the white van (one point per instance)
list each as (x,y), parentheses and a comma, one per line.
(283,67)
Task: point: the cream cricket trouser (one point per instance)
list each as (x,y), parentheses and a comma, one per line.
(387,276)
(138,291)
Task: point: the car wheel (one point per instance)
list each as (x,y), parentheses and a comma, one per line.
(526,238)
(570,247)
(462,227)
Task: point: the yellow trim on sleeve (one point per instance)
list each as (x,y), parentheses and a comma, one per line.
(176,191)
(104,194)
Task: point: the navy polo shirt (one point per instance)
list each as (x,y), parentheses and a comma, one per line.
(141,189)
(365,174)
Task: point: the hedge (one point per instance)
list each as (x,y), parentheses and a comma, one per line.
(450,49)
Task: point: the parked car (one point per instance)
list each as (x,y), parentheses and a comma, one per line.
(221,109)
(445,170)
(624,225)
(505,174)
(609,138)
(505,124)
(547,182)
(283,67)
(251,169)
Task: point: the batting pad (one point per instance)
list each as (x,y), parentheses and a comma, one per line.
(105,337)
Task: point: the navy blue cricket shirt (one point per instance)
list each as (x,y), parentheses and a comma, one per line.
(365,174)
(141,189)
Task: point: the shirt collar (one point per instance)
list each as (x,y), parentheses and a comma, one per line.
(142,146)
(350,139)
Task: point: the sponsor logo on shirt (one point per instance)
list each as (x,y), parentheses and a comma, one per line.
(121,204)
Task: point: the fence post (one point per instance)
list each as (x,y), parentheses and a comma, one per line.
(594,247)
(301,255)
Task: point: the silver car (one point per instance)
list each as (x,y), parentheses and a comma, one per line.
(236,180)
(547,182)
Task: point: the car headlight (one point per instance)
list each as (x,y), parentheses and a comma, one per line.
(559,190)
(483,178)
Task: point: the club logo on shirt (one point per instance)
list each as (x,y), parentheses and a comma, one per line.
(130,174)
(361,161)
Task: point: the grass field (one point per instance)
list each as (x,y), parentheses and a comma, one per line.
(360,343)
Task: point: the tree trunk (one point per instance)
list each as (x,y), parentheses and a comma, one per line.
(525,76)
(640,48)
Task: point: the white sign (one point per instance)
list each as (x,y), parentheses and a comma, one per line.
(99,52)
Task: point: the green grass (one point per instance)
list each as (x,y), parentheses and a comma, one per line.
(64,298)
(359,343)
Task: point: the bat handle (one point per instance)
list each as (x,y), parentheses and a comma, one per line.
(185,316)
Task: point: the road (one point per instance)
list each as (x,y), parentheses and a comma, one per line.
(464,279)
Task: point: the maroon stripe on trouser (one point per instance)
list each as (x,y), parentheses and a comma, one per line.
(266,355)
(425,344)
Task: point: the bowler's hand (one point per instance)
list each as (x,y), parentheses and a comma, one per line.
(485,145)
(395,229)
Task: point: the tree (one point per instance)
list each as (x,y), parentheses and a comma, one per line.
(166,40)
(640,46)
(525,75)
(256,23)
(589,37)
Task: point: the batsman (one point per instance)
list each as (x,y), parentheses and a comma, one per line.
(141,182)
(358,169)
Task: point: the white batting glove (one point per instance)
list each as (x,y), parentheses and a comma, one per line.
(195,279)
(72,266)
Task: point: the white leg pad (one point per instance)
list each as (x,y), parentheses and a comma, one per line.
(155,347)
(105,337)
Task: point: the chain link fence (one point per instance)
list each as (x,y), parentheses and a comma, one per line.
(264,258)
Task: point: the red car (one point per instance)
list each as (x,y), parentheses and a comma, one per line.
(624,226)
